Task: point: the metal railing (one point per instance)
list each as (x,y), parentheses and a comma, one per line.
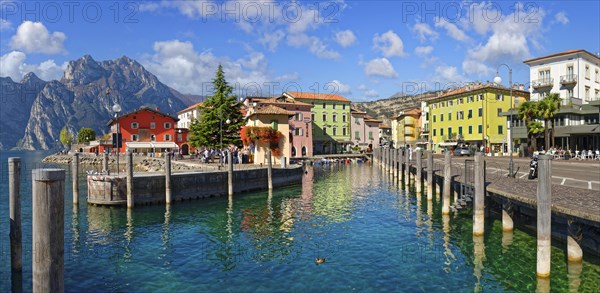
(544,82)
(570,78)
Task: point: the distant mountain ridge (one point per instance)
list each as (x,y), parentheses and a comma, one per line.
(384,109)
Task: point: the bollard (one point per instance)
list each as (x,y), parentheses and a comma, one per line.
(429,175)
(75,177)
(230,172)
(400,164)
(130,202)
(407,167)
(392,161)
(507,222)
(574,235)
(168,195)
(419,172)
(447,182)
(544,192)
(479,202)
(14,203)
(48,233)
(105,164)
(385,158)
(269,170)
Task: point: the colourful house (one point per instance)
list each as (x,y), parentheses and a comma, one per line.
(364,129)
(406,128)
(471,115)
(276,118)
(150,132)
(330,119)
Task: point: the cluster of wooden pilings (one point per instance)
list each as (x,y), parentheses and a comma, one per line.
(48,201)
(408,168)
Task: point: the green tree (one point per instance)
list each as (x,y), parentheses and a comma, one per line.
(85,134)
(214,113)
(534,129)
(65,137)
(554,98)
(547,109)
(527,112)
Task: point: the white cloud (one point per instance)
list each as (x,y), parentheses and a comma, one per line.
(179,65)
(191,8)
(445,74)
(423,50)
(13,65)
(272,39)
(518,33)
(380,67)
(362,87)
(345,38)
(561,17)
(340,88)
(451,28)
(424,31)
(371,93)
(5,24)
(33,37)
(314,45)
(389,43)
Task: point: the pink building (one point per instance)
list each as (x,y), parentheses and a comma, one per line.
(364,129)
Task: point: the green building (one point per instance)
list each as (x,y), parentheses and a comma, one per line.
(330,121)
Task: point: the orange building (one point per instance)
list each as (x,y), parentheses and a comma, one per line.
(150,132)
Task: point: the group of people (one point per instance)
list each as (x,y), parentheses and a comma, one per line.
(239,155)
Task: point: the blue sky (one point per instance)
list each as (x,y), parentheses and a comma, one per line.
(363,50)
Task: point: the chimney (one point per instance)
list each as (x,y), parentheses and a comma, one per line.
(522,87)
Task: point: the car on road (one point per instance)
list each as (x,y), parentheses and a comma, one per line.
(463,151)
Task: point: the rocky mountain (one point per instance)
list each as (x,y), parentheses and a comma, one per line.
(80,99)
(386,108)
(16,101)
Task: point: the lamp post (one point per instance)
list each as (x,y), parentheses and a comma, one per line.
(116,108)
(498,80)
(221,131)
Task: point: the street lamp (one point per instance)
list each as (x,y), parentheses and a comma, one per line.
(116,108)
(498,80)
(221,131)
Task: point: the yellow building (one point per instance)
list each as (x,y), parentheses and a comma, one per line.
(471,115)
(276,118)
(406,128)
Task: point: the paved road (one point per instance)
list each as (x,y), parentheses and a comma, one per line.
(572,173)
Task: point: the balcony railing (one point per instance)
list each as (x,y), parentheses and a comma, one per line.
(572,101)
(544,82)
(568,79)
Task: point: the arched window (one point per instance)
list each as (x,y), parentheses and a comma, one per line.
(304,151)
(293,151)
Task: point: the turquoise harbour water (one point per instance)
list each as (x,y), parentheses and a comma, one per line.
(373,235)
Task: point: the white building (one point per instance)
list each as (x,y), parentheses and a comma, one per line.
(187,115)
(574,74)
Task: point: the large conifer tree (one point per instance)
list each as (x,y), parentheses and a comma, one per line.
(215,111)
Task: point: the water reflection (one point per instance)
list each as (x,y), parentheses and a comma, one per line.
(574,270)
(478,259)
(450,257)
(507,240)
(543,285)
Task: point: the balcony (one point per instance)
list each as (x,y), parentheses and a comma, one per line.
(409,131)
(570,79)
(572,101)
(542,83)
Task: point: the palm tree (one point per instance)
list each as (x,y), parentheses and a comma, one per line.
(547,109)
(554,98)
(527,111)
(534,129)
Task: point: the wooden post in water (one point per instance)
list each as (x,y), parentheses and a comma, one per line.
(168,194)
(398,163)
(14,203)
(447,183)
(419,173)
(230,172)
(407,166)
(48,232)
(429,175)
(544,197)
(269,170)
(130,202)
(75,177)
(479,202)
(393,161)
(105,164)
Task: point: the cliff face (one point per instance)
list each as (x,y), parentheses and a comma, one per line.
(386,108)
(80,99)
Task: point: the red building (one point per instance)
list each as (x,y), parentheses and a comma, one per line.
(150,132)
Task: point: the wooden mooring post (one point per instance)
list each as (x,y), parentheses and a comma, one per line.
(407,166)
(447,183)
(75,177)
(269,170)
(129,162)
(419,172)
(168,193)
(230,172)
(544,198)
(429,175)
(14,203)
(479,202)
(48,233)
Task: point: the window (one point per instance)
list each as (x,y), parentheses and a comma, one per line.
(470,115)
(597,77)
(167,125)
(167,137)
(450,103)
(333,106)
(460,130)
(587,93)
(334,117)
(499,97)
(334,130)
(569,71)
(134,125)
(355,120)
(344,118)
(587,71)
(434,133)
(344,131)
(312,116)
(274,124)
(470,99)
(499,129)
(459,101)
(480,111)
(298,131)
(434,118)
(152,125)
(356,135)
(450,132)
(343,106)
(370,134)
(480,97)
(298,116)
(499,111)
(152,137)
(479,129)
(324,117)
(470,129)
(323,105)
(460,115)
(134,137)
(441,131)
(442,117)
(449,116)
(324,130)
(179,137)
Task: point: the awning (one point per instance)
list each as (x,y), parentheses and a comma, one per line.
(150,145)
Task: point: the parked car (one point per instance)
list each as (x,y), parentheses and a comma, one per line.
(463,151)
